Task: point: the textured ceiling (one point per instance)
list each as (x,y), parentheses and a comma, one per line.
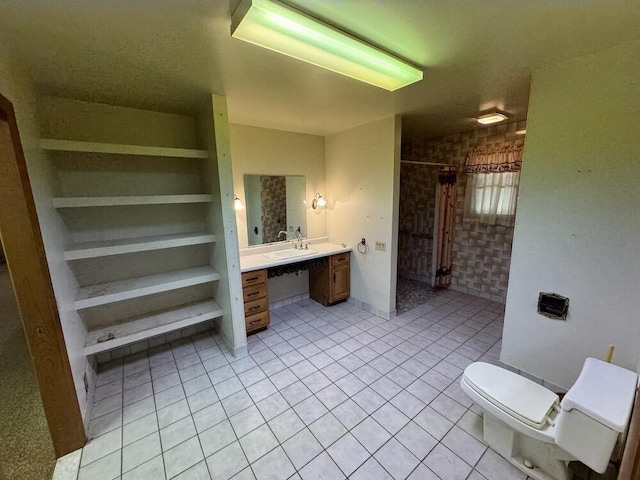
(169,55)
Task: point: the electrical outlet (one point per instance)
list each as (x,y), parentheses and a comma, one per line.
(382,246)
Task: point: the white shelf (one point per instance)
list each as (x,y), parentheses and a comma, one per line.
(144,327)
(105,293)
(77,202)
(85,250)
(92,147)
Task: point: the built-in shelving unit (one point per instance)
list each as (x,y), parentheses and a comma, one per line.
(124,205)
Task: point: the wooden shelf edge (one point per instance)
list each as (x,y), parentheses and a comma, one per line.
(199,278)
(119,201)
(55,145)
(137,246)
(145,334)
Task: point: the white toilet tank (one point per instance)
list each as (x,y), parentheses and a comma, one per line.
(595,411)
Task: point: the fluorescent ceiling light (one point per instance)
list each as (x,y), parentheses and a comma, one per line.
(491,117)
(280,28)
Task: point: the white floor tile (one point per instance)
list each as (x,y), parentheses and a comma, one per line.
(272,406)
(390,418)
(396,459)
(321,468)
(329,368)
(371,434)
(286,425)
(101,446)
(199,471)
(434,423)
(141,451)
(176,433)
(348,454)
(301,448)
(370,470)
(494,467)
(202,399)
(464,445)
(106,468)
(246,420)
(258,442)
(416,440)
(310,409)
(446,464)
(216,438)
(154,469)
(274,464)
(208,416)
(134,431)
(182,457)
(173,413)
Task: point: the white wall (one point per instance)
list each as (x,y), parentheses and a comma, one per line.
(578,222)
(273,152)
(16,86)
(362,166)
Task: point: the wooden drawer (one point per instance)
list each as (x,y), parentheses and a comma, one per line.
(340,259)
(257,321)
(253,278)
(254,292)
(256,306)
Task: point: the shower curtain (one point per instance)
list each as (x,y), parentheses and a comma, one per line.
(447,194)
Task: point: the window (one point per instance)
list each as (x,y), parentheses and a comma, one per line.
(492,197)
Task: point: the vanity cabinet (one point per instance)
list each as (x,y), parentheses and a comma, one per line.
(330,283)
(256,300)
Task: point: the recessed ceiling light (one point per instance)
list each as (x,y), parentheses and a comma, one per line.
(491,117)
(283,29)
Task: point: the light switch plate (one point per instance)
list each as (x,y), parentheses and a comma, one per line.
(382,246)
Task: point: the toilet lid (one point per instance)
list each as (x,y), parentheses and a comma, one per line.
(518,396)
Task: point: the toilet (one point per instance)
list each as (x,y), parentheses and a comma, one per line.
(528,425)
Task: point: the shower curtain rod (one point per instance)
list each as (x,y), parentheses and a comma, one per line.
(433,164)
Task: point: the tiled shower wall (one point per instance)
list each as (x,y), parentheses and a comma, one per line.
(481,253)
(417,210)
(273,197)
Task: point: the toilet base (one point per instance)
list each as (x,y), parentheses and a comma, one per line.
(549,461)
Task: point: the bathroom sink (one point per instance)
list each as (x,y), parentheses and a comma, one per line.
(285,254)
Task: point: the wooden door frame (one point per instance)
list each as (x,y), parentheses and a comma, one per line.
(630,466)
(24,251)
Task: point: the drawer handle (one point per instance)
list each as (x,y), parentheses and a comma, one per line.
(251,279)
(253,294)
(253,309)
(255,321)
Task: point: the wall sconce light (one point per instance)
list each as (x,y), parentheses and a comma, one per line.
(493,116)
(237,203)
(318,201)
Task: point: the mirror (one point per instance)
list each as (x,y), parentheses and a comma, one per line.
(275,203)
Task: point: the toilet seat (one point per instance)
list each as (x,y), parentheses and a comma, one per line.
(516,400)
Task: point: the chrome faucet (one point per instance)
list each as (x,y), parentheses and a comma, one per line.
(281,232)
(299,238)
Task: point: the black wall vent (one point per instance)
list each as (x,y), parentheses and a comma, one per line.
(553,305)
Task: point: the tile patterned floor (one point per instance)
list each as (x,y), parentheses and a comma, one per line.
(324,393)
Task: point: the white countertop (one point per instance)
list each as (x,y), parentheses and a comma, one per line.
(254,258)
